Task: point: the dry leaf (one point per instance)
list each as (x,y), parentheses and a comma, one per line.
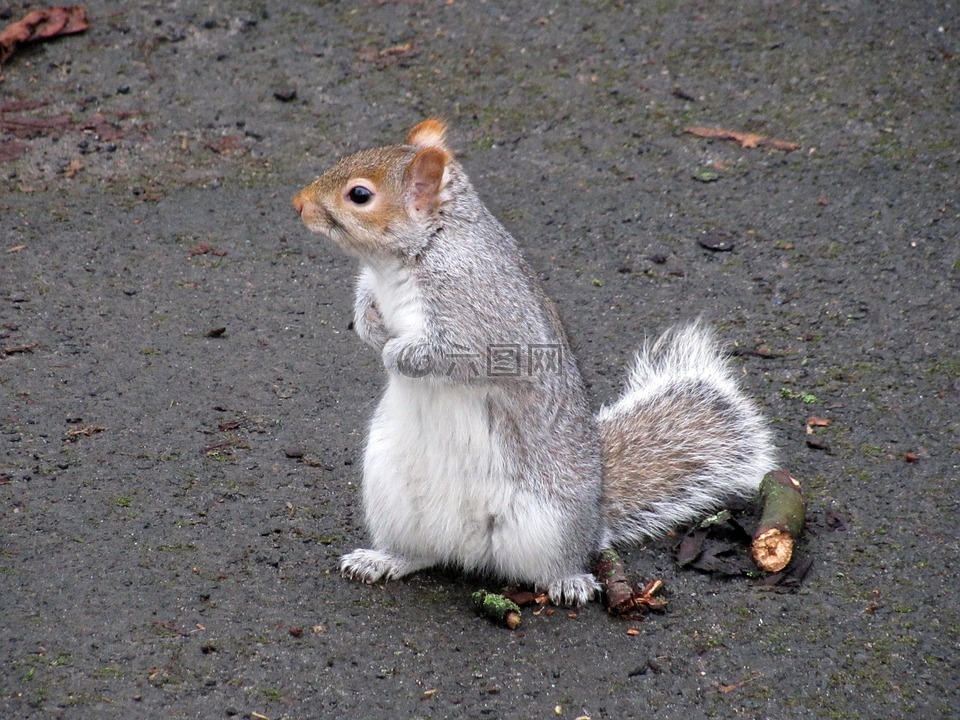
(815,422)
(25,128)
(205,249)
(736,686)
(84,431)
(18,349)
(388,56)
(228,145)
(747,140)
(73,168)
(42,25)
(102,129)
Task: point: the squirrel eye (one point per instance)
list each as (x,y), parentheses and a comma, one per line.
(360,195)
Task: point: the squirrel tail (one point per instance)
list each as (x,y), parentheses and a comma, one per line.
(681,441)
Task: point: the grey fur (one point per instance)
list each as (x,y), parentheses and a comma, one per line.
(446,299)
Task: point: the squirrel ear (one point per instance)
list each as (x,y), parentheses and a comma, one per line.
(431,132)
(424,178)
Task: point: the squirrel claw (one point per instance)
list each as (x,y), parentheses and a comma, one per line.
(370,566)
(574,590)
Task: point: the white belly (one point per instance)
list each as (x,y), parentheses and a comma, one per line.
(437,487)
(432,485)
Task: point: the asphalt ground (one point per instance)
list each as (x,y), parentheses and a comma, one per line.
(183,405)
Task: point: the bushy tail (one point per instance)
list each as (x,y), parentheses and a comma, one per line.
(682,440)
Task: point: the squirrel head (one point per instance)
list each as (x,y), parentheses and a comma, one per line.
(384,201)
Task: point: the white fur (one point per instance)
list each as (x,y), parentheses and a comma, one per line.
(685,357)
(438,488)
(436,492)
(397,298)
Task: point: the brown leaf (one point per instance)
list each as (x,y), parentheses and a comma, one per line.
(814,422)
(736,686)
(84,431)
(72,169)
(42,25)
(747,140)
(224,449)
(690,546)
(228,145)
(18,349)
(22,105)
(388,56)
(403,49)
(21,127)
(761,351)
(205,249)
(102,129)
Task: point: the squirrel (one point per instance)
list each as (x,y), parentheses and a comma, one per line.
(483,453)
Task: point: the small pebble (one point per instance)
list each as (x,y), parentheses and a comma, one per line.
(716,241)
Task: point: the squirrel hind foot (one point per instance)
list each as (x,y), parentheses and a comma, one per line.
(573,590)
(370,566)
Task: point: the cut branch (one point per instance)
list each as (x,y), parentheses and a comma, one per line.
(498,608)
(623,599)
(612,575)
(781,523)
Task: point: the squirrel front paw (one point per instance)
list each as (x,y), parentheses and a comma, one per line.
(370,566)
(573,590)
(410,357)
(369,326)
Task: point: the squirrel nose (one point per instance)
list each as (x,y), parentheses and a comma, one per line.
(298,203)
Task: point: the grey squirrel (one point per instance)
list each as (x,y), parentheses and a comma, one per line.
(483,453)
